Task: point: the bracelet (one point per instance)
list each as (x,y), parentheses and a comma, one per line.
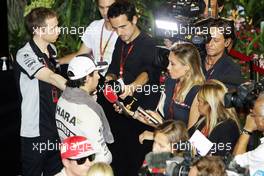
(244,131)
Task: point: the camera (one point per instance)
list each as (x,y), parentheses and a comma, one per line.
(245,95)
(165,164)
(177,21)
(232,168)
(180,166)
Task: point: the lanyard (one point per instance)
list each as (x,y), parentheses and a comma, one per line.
(54,91)
(123,59)
(102,50)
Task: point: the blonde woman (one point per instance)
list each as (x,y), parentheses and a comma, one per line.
(185,78)
(219,124)
(100,169)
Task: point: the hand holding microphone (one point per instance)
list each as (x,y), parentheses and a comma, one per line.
(112,97)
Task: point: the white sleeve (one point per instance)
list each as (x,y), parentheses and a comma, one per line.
(28,62)
(88,36)
(251,158)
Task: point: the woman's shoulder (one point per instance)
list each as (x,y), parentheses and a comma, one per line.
(226,126)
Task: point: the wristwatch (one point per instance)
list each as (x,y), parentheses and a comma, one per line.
(244,131)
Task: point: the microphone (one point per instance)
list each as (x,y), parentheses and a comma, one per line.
(158,160)
(112,97)
(115,88)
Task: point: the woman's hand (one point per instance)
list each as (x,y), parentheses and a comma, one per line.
(146,120)
(146,135)
(156,115)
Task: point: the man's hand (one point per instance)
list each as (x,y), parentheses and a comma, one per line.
(250,124)
(128,91)
(109,77)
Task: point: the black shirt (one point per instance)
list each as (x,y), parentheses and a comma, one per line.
(139,59)
(224,70)
(224,136)
(181,110)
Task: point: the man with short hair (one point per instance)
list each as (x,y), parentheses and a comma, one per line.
(77,111)
(217,64)
(78,154)
(132,63)
(255,122)
(98,39)
(35,72)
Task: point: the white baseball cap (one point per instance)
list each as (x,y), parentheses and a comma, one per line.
(81,66)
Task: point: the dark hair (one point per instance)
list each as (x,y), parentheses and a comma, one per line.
(36,18)
(220,3)
(227,25)
(122,8)
(78,82)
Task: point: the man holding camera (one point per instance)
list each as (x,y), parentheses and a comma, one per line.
(77,112)
(253,159)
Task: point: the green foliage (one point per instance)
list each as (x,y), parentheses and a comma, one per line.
(252,8)
(38,3)
(17,34)
(75,15)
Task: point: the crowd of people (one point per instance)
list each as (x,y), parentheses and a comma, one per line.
(90,136)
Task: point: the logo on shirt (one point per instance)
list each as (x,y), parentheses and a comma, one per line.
(29,62)
(66,116)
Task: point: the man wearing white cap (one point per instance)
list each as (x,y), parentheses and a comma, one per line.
(77,113)
(77,154)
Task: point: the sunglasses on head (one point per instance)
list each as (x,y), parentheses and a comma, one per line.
(81,161)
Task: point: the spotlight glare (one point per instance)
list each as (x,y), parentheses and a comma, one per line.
(168,25)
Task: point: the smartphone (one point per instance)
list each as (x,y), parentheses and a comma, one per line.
(150,118)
